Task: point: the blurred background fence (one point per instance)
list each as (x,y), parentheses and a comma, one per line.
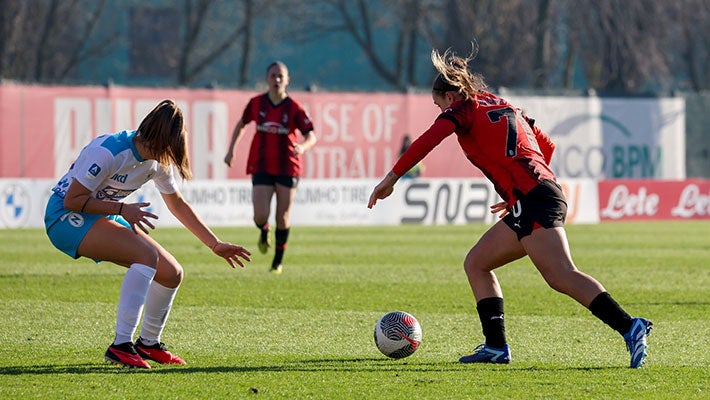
(607,48)
(623,86)
(614,47)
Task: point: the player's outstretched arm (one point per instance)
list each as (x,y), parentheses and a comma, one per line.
(184,212)
(236,136)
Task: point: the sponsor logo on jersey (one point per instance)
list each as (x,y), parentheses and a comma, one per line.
(119,178)
(112,193)
(272,127)
(93,171)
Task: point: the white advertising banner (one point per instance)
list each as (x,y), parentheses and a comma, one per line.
(338,202)
(612,138)
(22,202)
(318,202)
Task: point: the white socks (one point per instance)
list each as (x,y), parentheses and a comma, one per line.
(130,304)
(157,308)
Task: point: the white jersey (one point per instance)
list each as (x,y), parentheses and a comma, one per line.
(112,169)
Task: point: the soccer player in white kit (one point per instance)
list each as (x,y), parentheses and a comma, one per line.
(85,217)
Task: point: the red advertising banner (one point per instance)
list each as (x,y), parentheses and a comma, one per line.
(654,199)
(359,134)
(42,128)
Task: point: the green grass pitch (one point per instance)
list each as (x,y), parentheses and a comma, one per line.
(307,333)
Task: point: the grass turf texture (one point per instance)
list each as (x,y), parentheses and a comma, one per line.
(308,332)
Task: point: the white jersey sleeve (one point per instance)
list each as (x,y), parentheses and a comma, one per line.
(93,166)
(165,180)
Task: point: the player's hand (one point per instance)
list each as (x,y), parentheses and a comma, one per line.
(228,159)
(134,214)
(501,208)
(383,189)
(232,253)
(298,149)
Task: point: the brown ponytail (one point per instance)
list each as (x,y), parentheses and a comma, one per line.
(163,132)
(454,74)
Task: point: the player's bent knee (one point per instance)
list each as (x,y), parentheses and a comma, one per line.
(148,255)
(172,283)
(471,264)
(169,275)
(179,276)
(475,256)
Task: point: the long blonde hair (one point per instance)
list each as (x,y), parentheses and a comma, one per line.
(454,74)
(163,132)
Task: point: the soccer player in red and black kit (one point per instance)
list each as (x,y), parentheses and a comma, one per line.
(274,157)
(515,155)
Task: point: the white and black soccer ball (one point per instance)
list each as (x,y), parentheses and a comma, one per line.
(398,334)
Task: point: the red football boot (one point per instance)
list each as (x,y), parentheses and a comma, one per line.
(126,355)
(157,353)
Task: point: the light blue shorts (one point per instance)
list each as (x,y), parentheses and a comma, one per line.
(66,229)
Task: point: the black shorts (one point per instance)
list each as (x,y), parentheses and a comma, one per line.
(262,178)
(543,207)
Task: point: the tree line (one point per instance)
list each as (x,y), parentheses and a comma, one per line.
(615,46)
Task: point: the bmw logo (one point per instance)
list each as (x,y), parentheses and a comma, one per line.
(14,206)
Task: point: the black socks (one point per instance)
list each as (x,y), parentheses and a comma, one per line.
(264,231)
(604,307)
(610,312)
(281,240)
(490,311)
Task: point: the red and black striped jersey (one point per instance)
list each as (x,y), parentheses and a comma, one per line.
(496,137)
(272,150)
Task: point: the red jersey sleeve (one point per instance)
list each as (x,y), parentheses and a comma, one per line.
(250,110)
(425,143)
(547,146)
(303,122)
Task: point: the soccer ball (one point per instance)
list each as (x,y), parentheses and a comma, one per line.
(398,334)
